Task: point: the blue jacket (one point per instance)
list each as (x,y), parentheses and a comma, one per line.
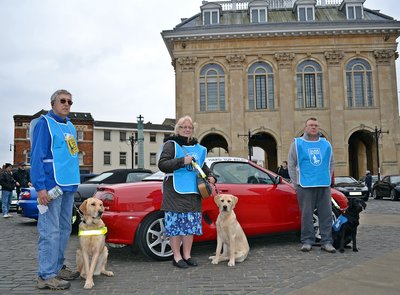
(42,169)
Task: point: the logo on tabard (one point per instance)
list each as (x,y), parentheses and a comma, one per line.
(195,156)
(315,156)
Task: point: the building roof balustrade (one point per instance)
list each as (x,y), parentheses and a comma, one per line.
(272,4)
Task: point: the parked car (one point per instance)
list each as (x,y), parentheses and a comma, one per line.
(388,187)
(28,204)
(88,188)
(351,188)
(267,204)
(14,202)
(87,176)
(374,179)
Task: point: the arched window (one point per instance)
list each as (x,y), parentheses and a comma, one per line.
(261,86)
(359,84)
(212,88)
(309,85)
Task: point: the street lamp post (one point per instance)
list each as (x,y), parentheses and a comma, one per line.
(378,133)
(133,141)
(248,135)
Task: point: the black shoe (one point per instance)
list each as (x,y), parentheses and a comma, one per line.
(180,263)
(190,261)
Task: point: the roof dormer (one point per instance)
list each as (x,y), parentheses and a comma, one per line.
(258,11)
(211,13)
(353,9)
(305,10)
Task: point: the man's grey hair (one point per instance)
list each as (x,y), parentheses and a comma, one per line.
(57,93)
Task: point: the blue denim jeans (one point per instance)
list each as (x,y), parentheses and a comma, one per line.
(54,228)
(6,201)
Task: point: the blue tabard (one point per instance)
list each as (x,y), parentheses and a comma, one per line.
(314,162)
(65,165)
(185,181)
(339,223)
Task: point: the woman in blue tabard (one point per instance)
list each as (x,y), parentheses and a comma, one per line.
(181,199)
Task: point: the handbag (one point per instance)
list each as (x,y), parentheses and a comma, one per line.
(204,187)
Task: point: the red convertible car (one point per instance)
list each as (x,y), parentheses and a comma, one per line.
(267,205)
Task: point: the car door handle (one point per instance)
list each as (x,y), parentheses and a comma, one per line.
(223,190)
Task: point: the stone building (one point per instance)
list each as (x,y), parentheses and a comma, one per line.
(256,70)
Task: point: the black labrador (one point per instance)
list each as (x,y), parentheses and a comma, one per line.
(345,228)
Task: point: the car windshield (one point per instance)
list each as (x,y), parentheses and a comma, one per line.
(344,179)
(137,176)
(240,173)
(155,176)
(100,178)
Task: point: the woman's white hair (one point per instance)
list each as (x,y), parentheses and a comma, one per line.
(180,123)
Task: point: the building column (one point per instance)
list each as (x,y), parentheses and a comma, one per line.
(185,86)
(335,96)
(237,105)
(387,100)
(285,97)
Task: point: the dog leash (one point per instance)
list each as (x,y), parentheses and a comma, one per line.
(78,211)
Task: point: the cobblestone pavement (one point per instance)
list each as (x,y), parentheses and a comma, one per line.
(274,266)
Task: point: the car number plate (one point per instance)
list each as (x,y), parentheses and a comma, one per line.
(355,193)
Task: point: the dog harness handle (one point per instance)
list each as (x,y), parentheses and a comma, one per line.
(93,232)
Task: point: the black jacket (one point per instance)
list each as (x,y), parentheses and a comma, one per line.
(22,176)
(7,181)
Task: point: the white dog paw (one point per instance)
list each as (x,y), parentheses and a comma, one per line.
(89,285)
(211,257)
(231,263)
(108,273)
(214,261)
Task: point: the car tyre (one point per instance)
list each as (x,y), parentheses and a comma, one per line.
(151,239)
(393,195)
(375,195)
(335,215)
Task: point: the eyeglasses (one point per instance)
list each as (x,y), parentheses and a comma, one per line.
(63,101)
(186,127)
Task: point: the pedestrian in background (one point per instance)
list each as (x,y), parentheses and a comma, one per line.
(368,182)
(7,183)
(181,199)
(311,165)
(22,178)
(55,176)
(283,170)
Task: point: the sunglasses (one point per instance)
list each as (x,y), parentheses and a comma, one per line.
(63,101)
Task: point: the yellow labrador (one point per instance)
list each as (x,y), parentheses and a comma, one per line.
(230,235)
(92,242)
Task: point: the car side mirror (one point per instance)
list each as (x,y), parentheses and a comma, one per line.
(278,179)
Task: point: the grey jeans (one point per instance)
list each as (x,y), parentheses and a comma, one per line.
(315,198)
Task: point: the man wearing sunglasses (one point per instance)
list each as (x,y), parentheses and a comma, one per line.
(55,176)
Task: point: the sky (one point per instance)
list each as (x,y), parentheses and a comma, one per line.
(109,54)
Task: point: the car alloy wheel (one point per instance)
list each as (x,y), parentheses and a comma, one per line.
(151,238)
(393,195)
(375,195)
